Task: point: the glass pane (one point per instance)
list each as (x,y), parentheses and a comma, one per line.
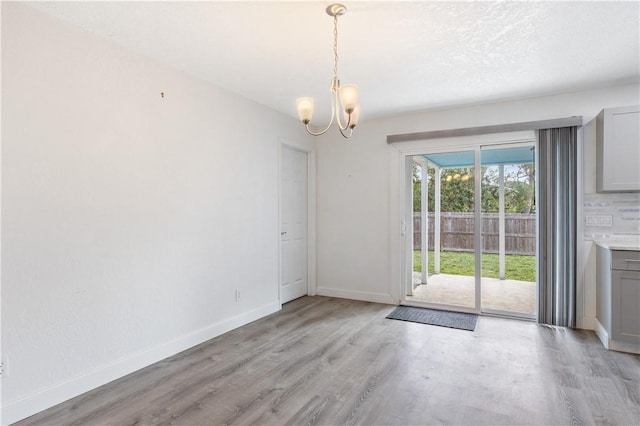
(508,230)
(449,215)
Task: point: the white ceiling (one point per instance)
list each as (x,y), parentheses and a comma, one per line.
(405,56)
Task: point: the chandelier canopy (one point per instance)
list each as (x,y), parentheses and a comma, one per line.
(344,99)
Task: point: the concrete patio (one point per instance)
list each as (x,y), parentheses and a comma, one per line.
(502,295)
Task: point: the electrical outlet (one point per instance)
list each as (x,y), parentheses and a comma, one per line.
(599,220)
(237,295)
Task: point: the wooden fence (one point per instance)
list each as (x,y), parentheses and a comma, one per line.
(457,232)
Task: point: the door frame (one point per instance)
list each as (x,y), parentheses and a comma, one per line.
(309,149)
(400,216)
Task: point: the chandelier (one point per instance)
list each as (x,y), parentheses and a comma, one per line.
(344,99)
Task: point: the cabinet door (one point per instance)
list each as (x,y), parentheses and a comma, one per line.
(618,149)
(625,309)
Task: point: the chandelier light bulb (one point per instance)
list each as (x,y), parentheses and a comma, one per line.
(305,109)
(355,116)
(349,97)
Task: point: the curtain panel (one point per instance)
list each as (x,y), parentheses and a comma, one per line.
(557,263)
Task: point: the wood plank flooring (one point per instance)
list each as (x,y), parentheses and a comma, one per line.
(332,361)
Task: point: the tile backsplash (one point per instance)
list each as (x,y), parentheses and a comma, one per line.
(615,215)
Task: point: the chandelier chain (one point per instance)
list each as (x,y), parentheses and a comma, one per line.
(335,46)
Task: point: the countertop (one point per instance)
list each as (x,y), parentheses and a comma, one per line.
(631,244)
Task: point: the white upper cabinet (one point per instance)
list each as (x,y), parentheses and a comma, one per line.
(618,149)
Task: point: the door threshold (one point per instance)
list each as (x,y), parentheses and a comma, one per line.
(468,310)
(510,315)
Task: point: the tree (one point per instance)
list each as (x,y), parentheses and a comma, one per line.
(458,185)
(417,187)
(456,190)
(528,172)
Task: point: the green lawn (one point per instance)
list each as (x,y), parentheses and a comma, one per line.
(521,268)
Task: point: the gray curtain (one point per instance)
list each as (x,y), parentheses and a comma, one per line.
(557,171)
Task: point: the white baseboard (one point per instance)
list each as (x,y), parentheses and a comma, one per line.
(29,405)
(602,333)
(356,295)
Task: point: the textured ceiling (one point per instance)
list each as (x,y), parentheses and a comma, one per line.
(405,56)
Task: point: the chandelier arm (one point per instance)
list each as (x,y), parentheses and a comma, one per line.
(312,133)
(346,126)
(346,136)
(322,132)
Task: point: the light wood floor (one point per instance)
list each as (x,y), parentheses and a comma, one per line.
(334,361)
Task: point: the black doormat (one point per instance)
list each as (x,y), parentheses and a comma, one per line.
(449,319)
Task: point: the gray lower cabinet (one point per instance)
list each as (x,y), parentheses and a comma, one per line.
(618,299)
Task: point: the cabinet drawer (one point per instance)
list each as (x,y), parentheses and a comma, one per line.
(625,260)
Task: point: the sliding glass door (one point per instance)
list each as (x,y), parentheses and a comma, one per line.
(473,228)
(444,230)
(508,273)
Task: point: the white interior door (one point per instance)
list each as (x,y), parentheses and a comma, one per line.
(293,224)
